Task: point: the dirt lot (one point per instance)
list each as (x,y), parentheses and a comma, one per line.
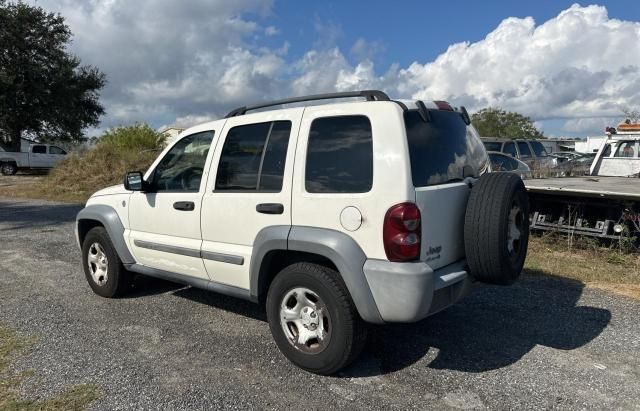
(543,343)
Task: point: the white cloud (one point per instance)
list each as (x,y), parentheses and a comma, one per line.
(168,60)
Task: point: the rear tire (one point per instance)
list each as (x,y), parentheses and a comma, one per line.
(496,230)
(103,269)
(8,169)
(301,294)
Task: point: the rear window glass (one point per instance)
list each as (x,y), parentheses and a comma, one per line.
(524,149)
(339,155)
(443,149)
(538,148)
(492,145)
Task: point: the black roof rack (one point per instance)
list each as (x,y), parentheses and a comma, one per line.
(370,95)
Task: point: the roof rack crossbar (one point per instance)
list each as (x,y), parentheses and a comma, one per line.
(370,95)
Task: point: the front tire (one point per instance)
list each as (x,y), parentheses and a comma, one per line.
(103,269)
(313,319)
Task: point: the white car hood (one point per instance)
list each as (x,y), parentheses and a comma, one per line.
(117,189)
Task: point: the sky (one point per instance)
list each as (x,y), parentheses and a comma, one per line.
(571,67)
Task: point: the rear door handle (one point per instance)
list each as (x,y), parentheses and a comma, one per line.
(184,205)
(270,208)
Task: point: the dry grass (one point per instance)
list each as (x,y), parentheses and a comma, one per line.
(599,267)
(76,397)
(78,176)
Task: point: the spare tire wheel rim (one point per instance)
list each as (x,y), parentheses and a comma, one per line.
(98,264)
(305,320)
(515,230)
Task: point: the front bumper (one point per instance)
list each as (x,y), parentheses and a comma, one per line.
(408,292)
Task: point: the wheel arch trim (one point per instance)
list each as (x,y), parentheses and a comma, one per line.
(108,218)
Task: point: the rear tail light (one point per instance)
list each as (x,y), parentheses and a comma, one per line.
(401,232)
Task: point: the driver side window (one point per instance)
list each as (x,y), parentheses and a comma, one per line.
(180,170)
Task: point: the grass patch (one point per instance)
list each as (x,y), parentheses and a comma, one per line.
(76,397)
(596,266)
(81,174)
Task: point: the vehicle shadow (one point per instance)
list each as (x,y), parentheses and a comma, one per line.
(17,214)
(492,328)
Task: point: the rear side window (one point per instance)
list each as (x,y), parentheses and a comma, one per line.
(443,149)
(510,148)
(253,157)
(56,150)
(523,147)
(492,145)
(339,155)
(39,150)
(538,148)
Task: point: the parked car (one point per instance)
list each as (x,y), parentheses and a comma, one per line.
(333,216)
(504,162)
(531,152)
(38,157)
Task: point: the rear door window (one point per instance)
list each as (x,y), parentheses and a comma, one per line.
(538,148)
(39,150)
(339,155)
(510,149)
(523,147)
(492,145)
(253,157)
(443,149)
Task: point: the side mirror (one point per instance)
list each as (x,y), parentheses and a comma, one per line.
(133,181)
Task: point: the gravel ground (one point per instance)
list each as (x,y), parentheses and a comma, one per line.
(543,343)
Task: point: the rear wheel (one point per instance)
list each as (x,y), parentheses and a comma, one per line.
(8,169)
(496,231)
(103,269)
(313,319)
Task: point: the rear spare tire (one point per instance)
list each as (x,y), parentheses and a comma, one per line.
(496,228)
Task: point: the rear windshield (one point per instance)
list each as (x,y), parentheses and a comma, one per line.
(443,149)
(538,148)
(492,145)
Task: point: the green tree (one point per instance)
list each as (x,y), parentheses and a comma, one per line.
(44,91)
(495,122)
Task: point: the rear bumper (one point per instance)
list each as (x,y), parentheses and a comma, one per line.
(408,292)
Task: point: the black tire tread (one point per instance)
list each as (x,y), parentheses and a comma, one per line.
(122,276)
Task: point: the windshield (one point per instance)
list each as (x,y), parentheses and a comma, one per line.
(443,149)
(538,148)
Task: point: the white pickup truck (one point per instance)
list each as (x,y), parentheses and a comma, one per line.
(39,156)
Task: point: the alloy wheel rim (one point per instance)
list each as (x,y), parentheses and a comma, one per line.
(305,320)
(98,264)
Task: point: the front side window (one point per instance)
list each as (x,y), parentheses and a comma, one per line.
(523,147)
(510,149)
(339,155)
(182,167)
(253,157)
(626,149)
(538,148)
(443,149)
(39,150)
(56,150)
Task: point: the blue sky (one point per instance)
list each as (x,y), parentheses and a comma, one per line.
(571,67)
(413,30)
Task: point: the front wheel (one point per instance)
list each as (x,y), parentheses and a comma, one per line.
(313,319)
(103,269)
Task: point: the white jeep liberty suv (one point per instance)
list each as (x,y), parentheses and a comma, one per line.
(331,215)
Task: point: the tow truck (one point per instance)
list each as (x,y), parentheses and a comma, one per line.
(604,204)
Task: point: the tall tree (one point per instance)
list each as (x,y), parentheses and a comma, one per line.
(495,122)
(44,91)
